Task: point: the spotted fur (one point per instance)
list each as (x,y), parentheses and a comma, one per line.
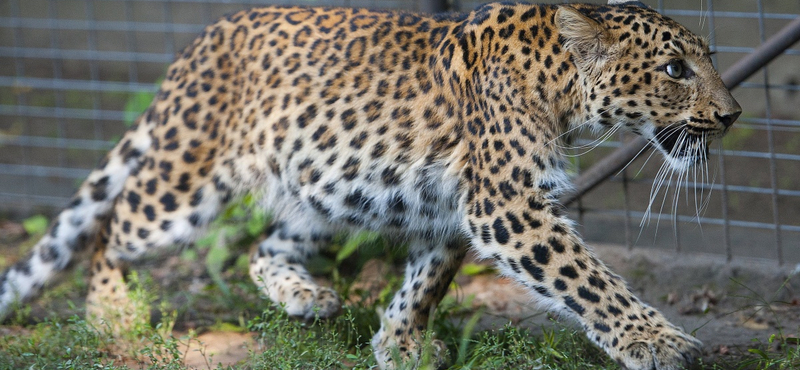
(437,130)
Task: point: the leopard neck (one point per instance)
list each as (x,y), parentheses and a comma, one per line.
(512,73)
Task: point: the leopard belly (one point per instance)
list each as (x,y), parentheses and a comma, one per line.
(423,200)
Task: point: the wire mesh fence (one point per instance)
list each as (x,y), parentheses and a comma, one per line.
(74,74)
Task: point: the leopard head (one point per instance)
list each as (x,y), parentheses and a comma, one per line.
(647,73)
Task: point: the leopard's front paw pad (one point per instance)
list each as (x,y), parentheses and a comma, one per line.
(311,302)
(670,349)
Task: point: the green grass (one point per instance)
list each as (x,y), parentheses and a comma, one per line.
(231,302)
(340,343)
(234,304)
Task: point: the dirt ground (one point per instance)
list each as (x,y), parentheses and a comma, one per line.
(728,305)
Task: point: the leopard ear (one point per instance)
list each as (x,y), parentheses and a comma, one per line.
(585,38)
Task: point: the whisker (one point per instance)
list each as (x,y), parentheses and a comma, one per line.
(703,176)
(697,202)
(703,179)
(649,156)
(661,179)
(664,200)
(714,177)
(634,158)
(654,190)
(677,192)
(594,144)
(645,162)
(678,185)
(581,126)
(707,181)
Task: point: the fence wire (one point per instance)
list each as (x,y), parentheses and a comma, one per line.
(74,73)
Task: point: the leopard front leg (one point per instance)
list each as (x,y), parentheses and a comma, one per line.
(277,268)
(429,271)
(531,242)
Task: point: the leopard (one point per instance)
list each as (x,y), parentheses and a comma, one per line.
(446,133)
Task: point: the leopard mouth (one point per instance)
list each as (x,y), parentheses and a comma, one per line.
(679,143)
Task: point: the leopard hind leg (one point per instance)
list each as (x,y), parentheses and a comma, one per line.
(73,230)
(277,268)
(107,303)
(144,220)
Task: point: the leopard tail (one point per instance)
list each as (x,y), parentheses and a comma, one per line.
(75,227)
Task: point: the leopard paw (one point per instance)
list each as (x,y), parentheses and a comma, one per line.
(666,349)
(400,353)
(308,301)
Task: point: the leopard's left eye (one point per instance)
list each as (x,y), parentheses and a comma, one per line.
(674,69)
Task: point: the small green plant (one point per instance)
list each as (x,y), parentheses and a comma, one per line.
(474,269)
(35,225)
(355,241)
(780,351)
(293,344)
(240,225)
(137,103)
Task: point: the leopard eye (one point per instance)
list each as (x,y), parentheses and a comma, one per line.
(674,69)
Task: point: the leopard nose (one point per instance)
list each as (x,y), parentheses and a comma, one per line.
(728,119)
